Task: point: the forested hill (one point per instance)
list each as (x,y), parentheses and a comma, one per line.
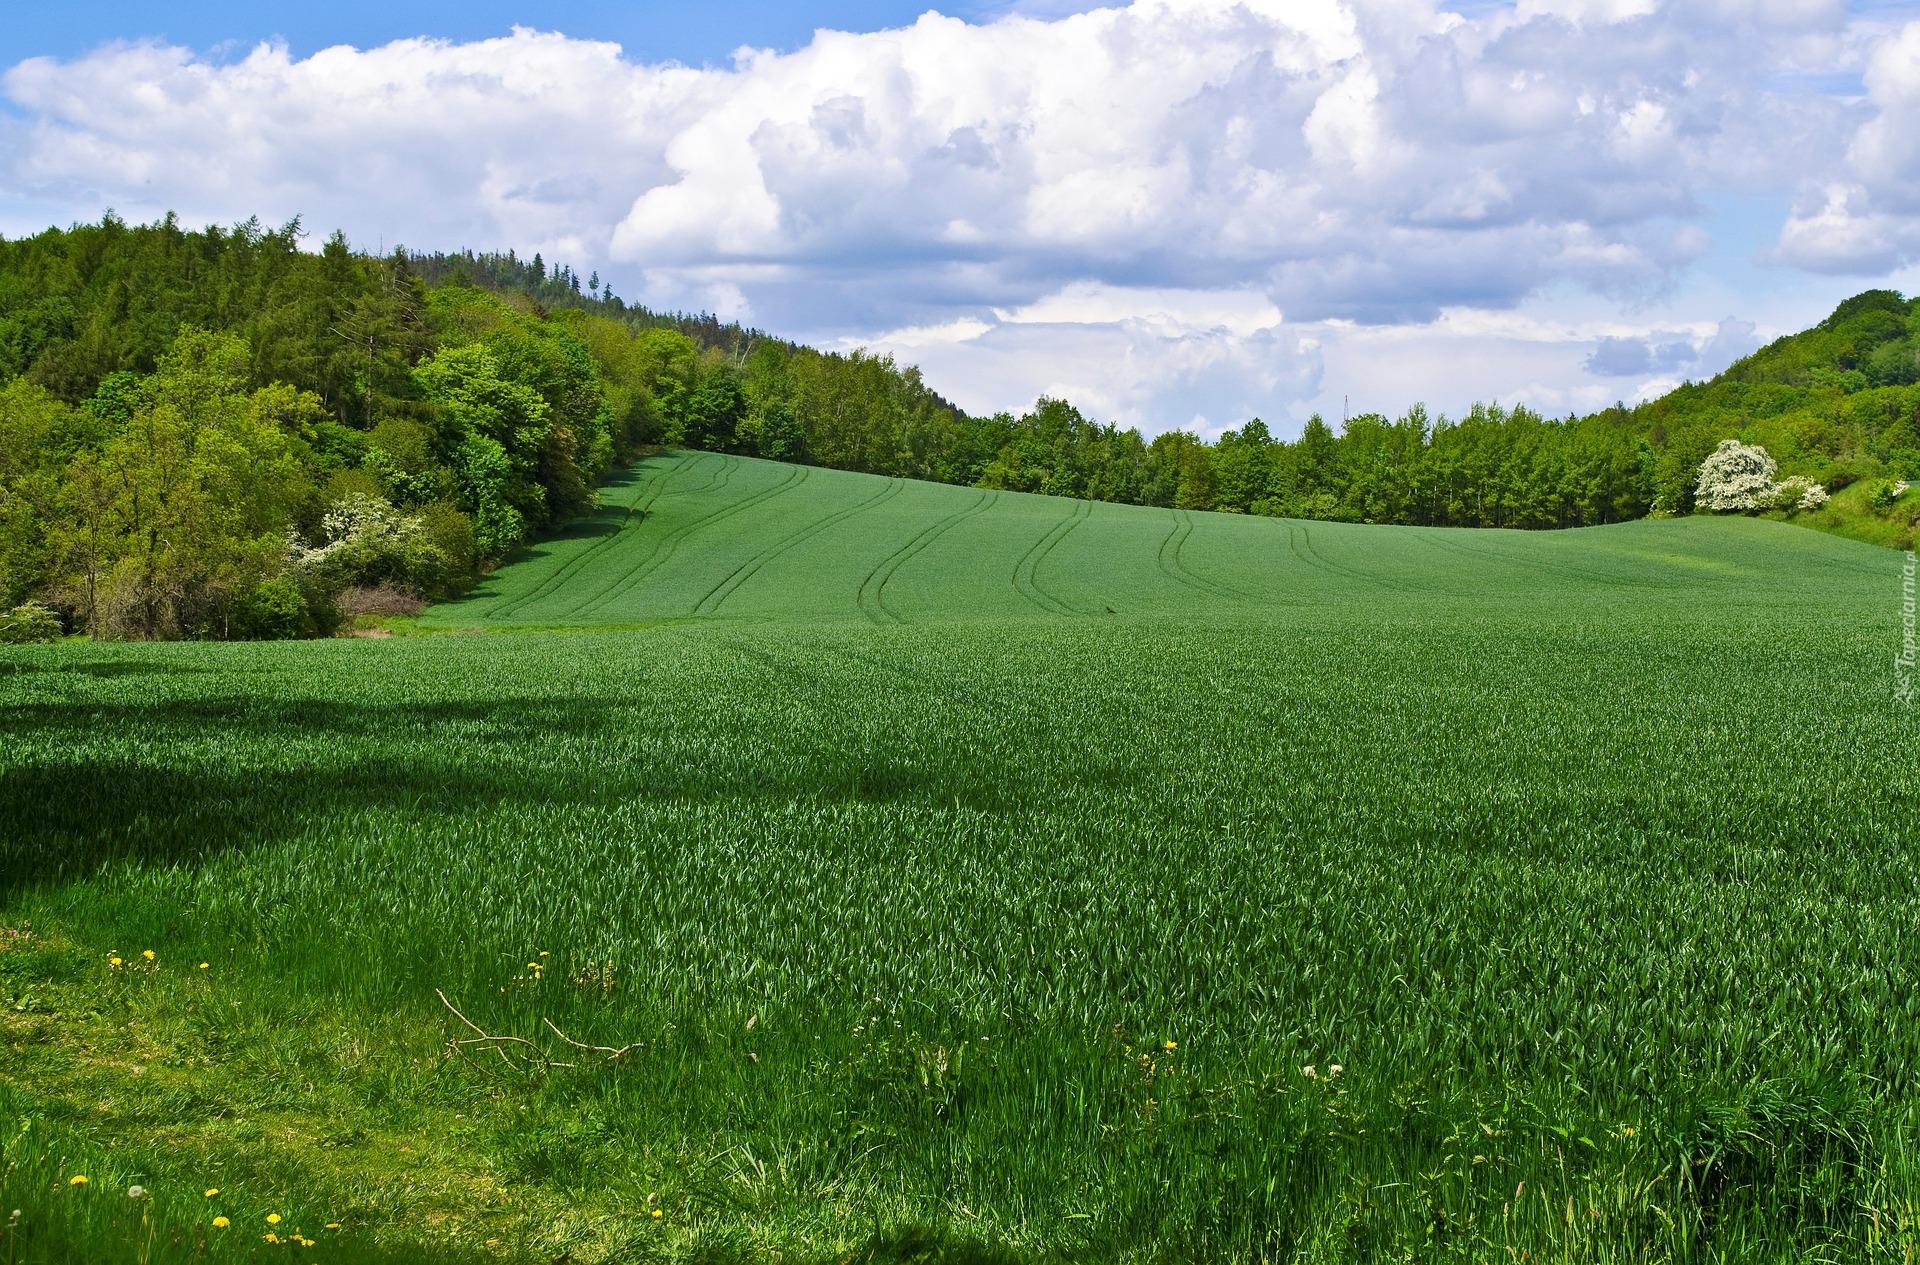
(220,432)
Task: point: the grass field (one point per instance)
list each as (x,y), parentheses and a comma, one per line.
(989,878)
(712,538)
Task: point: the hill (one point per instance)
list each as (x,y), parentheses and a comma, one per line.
(409,421)
(696,536)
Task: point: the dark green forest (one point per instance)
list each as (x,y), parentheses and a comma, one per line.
(225,433)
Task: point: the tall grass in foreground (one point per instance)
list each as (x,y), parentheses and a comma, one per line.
(1030,939)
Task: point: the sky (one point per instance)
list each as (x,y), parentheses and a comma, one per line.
(1175,213)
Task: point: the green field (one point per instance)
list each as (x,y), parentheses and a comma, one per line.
(975,877)
(701,536)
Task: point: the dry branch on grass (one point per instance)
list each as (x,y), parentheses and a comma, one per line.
(520,1054)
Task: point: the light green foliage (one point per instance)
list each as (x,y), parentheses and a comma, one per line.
(29,622)
(188,505)
(942,907)
(498,430)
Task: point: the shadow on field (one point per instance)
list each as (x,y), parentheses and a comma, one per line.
(103,669)
(174,781)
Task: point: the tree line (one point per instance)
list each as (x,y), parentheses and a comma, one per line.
(220,433)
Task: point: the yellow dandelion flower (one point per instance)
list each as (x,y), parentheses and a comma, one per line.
(203,966)
(333,1225)
(658,1213)
(269,1237)
(113,960)
(212,1191)
(221,1223)
(273,1218)
(1170,1046)
(545,954)
(78,1179)
(533,966)
(147,954)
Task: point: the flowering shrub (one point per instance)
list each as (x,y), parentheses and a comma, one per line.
(29,622)
(1798,493)
(1736,477)
(368,542)
(1883,496)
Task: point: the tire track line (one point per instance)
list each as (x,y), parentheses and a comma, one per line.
(1313,557)
(1030,562)
(737,578)
(634,515)
(1175,565)
(663,551)
(870,597)
(1550,568)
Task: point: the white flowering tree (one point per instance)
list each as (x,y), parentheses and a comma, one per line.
(1736,478)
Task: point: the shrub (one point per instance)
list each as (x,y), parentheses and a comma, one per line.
(1798,493)
(449,529)
(276,610)
(1885,494)
(380,600)
(1735,478)
(369,543)
(29,622)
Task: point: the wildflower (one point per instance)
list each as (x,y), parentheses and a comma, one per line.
(203,966)
(147,954)
(545,954)
(221,1223)
(78,1179)
(1334,1071)
(136,1192)
(1170,1046)
(273,1218)
(269,1237)
(657,1213)
(1626,1130)
(333,1225)
(212,1191)
(1309,1073)
(113,960)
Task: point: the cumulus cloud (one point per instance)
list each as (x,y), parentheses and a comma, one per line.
(1171,209)
(1866,221)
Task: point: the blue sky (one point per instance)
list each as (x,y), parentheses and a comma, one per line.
(1174,212)
(649,30)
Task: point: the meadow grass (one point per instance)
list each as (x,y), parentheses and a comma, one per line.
(939,913)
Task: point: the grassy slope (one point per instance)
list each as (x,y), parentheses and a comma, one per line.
(710,537)
(903,860)
(1850,513)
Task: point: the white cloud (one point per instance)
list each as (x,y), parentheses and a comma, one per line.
(1867,220)
(1172,209)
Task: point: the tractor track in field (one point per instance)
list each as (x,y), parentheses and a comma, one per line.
(1173,564)
(1313,558)
(1030,562)
(1549,568)
(663,551)
(717,596)
(722,476)
(871,596)
(635,514)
